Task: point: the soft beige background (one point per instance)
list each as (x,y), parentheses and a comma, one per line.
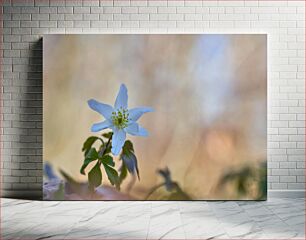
(208,92)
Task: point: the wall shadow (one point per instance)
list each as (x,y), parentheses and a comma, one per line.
(31,118)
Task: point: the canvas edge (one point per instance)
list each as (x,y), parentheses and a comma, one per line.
(37,194)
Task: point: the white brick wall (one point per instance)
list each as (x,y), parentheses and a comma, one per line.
(25,21)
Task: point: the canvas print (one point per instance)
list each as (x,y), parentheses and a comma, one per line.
(155,117)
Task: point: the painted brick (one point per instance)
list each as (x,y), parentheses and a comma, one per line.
(280,172)
(48,10)
(96,10)
(129,10)
(147,9)
(81,9)
(139,17)
(279,186)
(157,3)
(70,17)
(82,24)
(288,179)
(99,24)
(57,17)
(91,16)
(62,10)
(47,24)
(57,3)
(166,10)
(296,185)
(287,165)
(300,179)
(44,16)
(297,172)
(73,3)
(186,9)
(93,3)
(112,10)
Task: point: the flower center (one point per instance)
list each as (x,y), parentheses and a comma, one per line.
(120,118)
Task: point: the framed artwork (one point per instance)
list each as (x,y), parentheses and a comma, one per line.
(155,117)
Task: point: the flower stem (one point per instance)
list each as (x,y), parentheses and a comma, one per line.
(106,146)
(108,142)
(154,189)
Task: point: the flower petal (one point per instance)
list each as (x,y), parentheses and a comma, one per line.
(132,128)
(143,132)
(122,98)
(136,113)
(100,126)
(104,109)
(118,141)
(136,130)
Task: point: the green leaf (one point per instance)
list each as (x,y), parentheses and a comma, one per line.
(107,135)
(165,173)
(95,176)
(85,164)
(178,194)
(74,186)
(130,162)
(123,173)
(92,155)
(107,159)
(128,146)
(89,142)
(262,184)
(136,165)
(129,158)
(104,151)
(60,193)
(112,175)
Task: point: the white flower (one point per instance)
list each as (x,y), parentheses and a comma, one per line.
(119,118)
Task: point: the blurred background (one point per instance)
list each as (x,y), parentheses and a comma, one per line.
(209,92)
